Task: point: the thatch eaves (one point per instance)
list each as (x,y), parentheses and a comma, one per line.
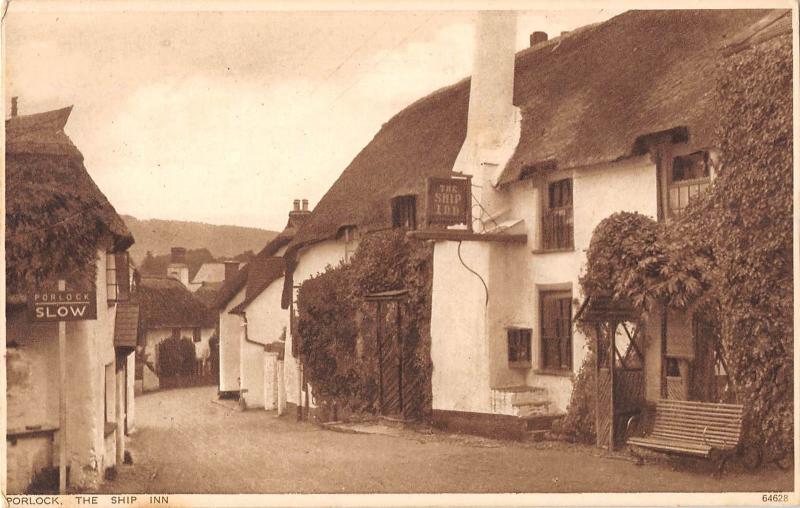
(56,216)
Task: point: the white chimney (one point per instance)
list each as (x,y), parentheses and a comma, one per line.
(493,125)
(491,91)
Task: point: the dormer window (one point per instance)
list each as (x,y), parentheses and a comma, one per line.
(404,212)
(118,278)
(690,175)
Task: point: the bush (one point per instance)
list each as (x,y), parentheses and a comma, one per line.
(730,253)
(579,422)
(337,325)
(176,357)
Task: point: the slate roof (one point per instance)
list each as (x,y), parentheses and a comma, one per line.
(263,268)
(126,325)
(263,271)
(585,98)
(55,213)
(166,303)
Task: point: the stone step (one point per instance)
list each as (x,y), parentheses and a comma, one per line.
(536,435)
(541,422)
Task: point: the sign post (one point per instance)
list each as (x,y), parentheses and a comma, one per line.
(62,306)
(449,201)
(62,400)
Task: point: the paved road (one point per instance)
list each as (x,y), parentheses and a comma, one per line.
(187,442)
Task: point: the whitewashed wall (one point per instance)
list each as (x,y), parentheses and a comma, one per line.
(230,329)
(469,344)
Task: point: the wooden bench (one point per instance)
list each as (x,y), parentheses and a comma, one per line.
(697,429)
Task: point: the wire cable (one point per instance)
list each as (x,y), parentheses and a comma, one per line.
(485,287)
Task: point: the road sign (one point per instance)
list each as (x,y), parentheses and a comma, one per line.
(47,306)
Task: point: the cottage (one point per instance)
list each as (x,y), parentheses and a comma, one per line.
(52,201)
(169,309)
(256,360)
(212,274)
(558,137)
(554,139)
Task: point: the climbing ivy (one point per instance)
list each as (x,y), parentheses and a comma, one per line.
(729,253)
(338,326)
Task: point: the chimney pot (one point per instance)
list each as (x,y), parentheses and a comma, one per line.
(231,267)
(538,37)
(14,106)
(178,255)
(296,205)
(305,205)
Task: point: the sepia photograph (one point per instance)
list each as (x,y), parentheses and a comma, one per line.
(260,253)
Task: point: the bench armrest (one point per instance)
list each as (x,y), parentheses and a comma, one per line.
(633,421)
(705,430)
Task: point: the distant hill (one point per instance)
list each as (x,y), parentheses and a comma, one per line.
(159,236)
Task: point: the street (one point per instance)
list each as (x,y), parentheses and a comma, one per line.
(188,442)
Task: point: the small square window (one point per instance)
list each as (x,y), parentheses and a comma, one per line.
(519,347)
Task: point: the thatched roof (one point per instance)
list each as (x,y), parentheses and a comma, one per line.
(55,214)
(259,264)
(207,292)
(585,98)
(166,303)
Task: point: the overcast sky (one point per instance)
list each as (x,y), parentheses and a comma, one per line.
(226,117)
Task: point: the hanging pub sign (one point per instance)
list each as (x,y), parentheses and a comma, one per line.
(46,306)
(449,201)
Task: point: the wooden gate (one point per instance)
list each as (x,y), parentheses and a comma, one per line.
(619,366)
(400,390)
(390,367)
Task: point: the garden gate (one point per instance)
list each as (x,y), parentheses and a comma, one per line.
(619,366)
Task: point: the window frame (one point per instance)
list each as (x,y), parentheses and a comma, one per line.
(557,220)
(693,186)
(404,212)
(565,346)
(523,337)
(118,282)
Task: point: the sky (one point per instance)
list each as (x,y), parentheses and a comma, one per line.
(227,117)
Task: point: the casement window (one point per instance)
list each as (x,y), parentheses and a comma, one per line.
(195,334)
(557,228)
(118,279)
(176,333)
(519,347)
(404,212)
(689,176)
(556,338)
(350,235)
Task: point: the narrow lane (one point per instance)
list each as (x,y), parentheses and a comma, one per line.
(187,442)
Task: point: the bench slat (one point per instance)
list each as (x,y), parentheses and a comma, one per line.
(695,428)
(696,403)
(717,442)
(679,427)
(672,447)
(706,418)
